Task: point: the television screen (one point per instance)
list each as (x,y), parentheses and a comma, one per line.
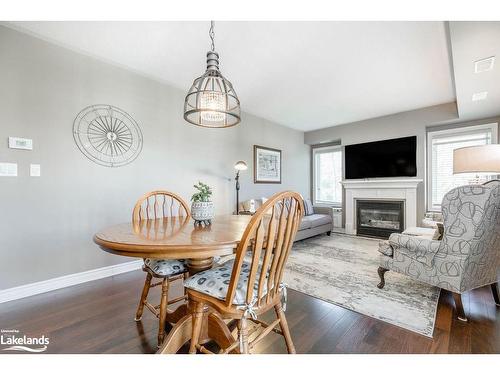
(390,158)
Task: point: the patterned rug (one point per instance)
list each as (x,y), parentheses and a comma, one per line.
(343,270)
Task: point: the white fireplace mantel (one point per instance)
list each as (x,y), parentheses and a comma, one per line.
(386,189)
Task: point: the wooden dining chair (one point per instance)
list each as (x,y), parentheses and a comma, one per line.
(155,206)
(251,284)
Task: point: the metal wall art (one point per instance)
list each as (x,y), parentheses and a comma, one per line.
(107,135)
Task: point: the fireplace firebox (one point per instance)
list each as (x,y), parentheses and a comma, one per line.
(377,218)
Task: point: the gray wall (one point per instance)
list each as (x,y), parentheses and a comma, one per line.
(398,125)
(47,222)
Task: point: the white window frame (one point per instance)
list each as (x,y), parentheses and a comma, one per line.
(431,134)
(321,150)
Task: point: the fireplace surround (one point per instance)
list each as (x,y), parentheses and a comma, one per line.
(401,189)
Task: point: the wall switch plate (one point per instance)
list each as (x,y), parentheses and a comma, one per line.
(35,170)
(8,169)
(21,143)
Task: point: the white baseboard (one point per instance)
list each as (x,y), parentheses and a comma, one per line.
(68,280)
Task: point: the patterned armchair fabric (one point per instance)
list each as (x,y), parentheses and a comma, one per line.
(468,256)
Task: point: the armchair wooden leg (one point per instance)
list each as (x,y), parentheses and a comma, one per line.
(284,328)
(381,272)
(163,310)
(496,293)
(459,307)
(144,296)
(243,335)
(197,323)
(329,233)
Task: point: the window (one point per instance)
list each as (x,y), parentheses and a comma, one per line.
(440,146)
(327,174)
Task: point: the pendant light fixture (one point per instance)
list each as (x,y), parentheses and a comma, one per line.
(211,101)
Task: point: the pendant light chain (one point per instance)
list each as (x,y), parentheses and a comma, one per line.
(211,33)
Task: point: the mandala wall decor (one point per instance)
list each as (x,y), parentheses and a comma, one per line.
(107,135)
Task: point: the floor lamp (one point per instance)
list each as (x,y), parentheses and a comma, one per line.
(239,166)
(477,159)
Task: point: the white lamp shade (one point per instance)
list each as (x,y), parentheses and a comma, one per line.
(240,166)
(477,159)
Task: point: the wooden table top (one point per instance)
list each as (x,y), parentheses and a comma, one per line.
(174,238)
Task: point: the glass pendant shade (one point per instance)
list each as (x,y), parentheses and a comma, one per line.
(211,101)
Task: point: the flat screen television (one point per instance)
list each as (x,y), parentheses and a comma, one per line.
(390,158)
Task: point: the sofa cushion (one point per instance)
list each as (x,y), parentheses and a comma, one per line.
(320,219)
(308,207)
(305,223)
(315,220)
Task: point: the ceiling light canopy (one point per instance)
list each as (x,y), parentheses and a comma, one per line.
(211,101)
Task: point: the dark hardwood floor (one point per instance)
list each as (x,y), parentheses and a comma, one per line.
(97,317)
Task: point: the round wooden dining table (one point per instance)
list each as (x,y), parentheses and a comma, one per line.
(180,238)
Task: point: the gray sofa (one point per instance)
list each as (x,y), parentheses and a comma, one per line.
(319,222)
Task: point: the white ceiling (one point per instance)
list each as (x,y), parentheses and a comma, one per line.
(472,41)
(305,75)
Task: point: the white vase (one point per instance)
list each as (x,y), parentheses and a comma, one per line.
(201,211)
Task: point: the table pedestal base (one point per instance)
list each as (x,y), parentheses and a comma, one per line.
(213,328)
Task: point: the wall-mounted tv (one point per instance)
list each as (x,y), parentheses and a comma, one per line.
(390,158)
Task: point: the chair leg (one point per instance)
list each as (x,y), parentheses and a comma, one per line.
(329,233)
(496,293)
(284,328)
(459,307)
(243,335)
(163,310)
(381,272)
(197,323)
(144,296)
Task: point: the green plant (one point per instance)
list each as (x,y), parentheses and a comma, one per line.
(204,193)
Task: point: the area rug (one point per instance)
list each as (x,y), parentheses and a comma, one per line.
(343,270)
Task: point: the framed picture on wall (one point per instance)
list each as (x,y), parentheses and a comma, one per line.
(266,165)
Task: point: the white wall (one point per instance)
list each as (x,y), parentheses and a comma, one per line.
(47,223)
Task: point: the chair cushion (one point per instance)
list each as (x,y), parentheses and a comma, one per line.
(308,207)
(215,282)
(166,267)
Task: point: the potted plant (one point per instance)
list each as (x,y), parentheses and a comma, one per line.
(202,208)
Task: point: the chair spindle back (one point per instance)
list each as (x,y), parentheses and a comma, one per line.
(266,244)
(159,204)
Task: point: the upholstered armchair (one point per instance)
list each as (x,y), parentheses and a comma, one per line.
(468,255)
